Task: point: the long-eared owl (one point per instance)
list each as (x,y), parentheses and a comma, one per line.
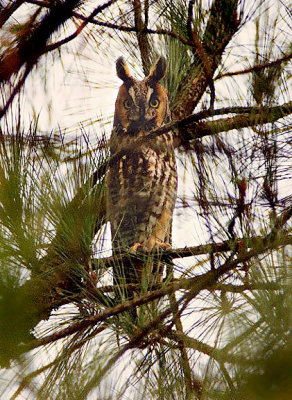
(142,178)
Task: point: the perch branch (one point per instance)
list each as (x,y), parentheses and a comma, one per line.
(189,128)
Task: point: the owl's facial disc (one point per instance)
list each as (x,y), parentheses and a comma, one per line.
(143,103)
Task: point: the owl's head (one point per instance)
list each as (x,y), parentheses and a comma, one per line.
(141,105)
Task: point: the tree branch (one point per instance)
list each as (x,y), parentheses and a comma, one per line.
(32,42)
(218,354)
(221,27)
(190,129)
(210,128)
(255,68)
(86,20)
(142,37)
(122,28)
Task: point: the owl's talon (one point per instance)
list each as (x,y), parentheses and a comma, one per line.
(158,245)
(162,245)
(133,249)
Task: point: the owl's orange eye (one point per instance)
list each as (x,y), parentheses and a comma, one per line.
(154,103)
(127,104)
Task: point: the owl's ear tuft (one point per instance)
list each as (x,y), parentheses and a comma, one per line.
(123,70)
(158,70)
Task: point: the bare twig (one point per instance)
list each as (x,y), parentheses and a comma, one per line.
(255,68)
(7,11)
(15,91)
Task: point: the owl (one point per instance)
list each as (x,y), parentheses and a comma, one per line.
(142,177)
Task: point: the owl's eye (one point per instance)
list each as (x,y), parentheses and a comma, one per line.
(154,103)
(127,104)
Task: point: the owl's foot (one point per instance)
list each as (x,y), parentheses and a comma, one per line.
(155,245)
(136,247)
(161,245)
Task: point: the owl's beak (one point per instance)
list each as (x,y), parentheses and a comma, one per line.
(139,114)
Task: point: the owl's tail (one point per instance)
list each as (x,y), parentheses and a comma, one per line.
(135,275)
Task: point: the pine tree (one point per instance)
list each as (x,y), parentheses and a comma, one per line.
(219,325)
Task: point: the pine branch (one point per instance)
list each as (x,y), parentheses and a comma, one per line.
(170,254)
(15,91)
(98,292)
(190,128)
(237,122)
(26,381)
(193,286)
(192,385)
(219,355)
(33,43)
(95,380)
(243,335)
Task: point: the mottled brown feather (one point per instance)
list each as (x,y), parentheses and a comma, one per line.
(142,182)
